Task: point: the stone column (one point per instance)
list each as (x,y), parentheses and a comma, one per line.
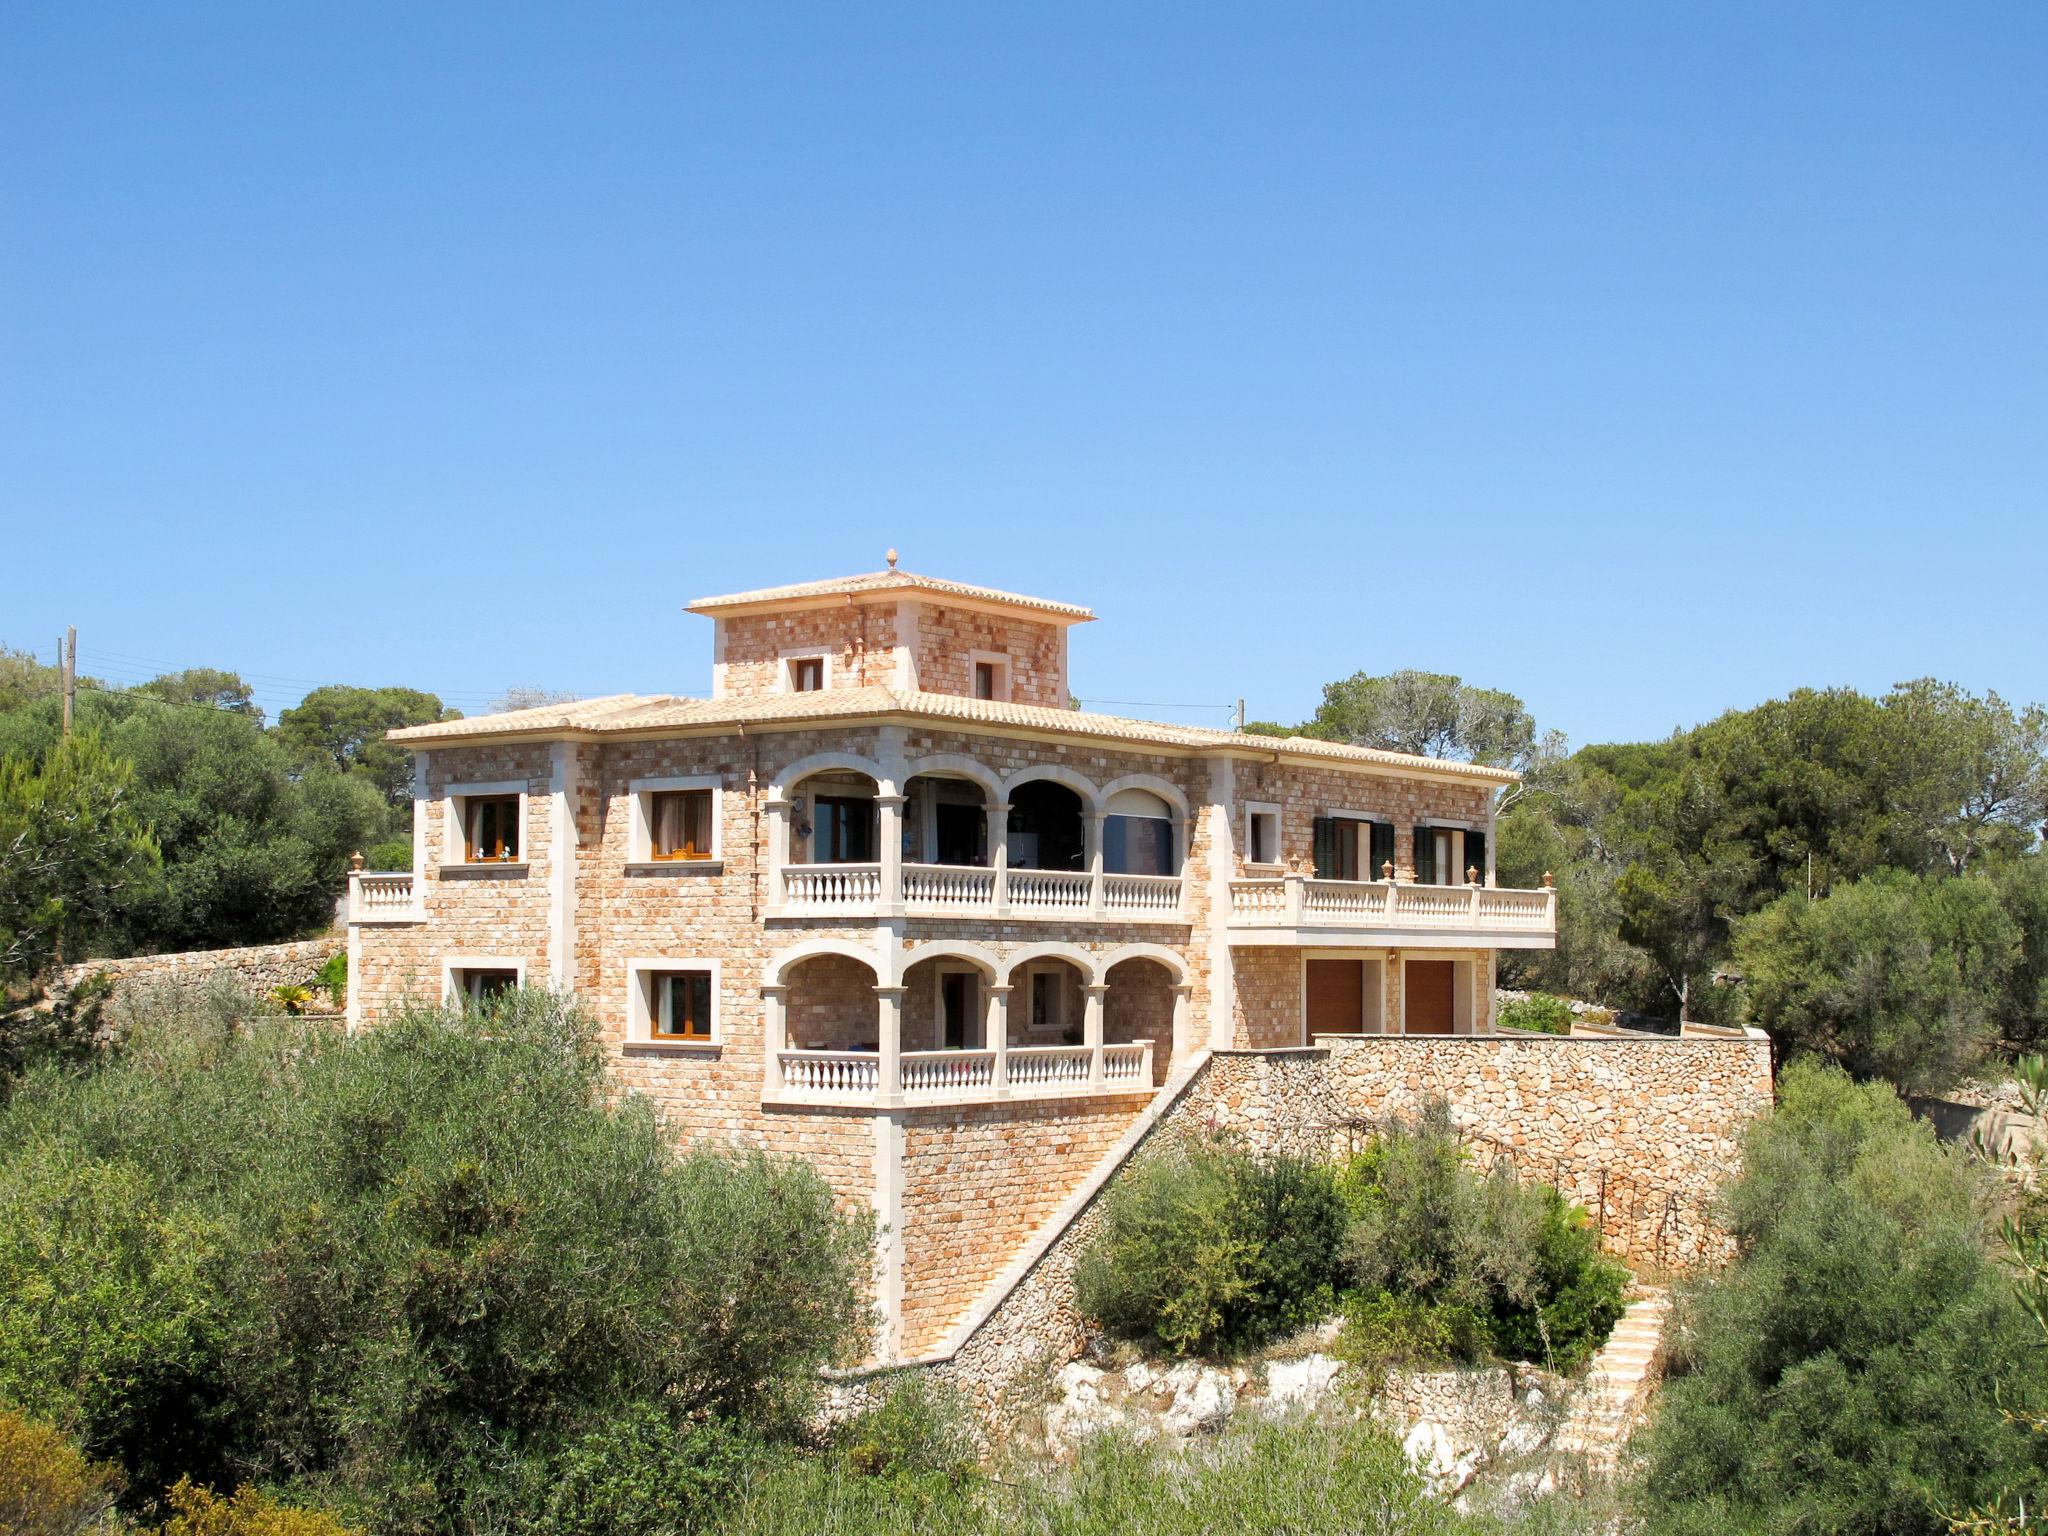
(890,1083)
(774,1035)
(997,1029)
(999,855)
(1093,834)
(889,828)
(1183,1026)
(1091,1029)
(777,810)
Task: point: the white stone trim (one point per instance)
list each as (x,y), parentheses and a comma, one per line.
(1001,661)
(640,821)
(640,1019)
(889,1233)
(776,973)
(785,674)
(563,781)
(1172,959)
(1222,976)
(453,965)
(455,848)
(1254,808)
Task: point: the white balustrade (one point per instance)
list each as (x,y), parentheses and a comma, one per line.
(1128,1064)
(1479,909)
(1049,890)
(948,1071)
(1347,899)
(831,888)
(1140,895)
(833,1074)
(956,887)
(1049,1066)
(383,897)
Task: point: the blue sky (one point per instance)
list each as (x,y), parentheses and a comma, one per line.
(1645,360)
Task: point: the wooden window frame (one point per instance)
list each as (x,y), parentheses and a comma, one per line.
(640,830)
(456,971)
(687,853)
(455,825)
(1000,674)
(789,663)
(648,994)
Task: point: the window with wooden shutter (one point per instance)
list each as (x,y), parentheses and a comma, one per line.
(1425,856)
(1475,854)
(1382,853)
(1326,855)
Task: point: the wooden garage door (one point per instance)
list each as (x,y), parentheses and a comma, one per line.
(1429,996)
(1336,997)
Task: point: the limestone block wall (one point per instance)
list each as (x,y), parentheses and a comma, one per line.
(258,967)
(978,1182)
(1303,792)
(946,638)
(861,640)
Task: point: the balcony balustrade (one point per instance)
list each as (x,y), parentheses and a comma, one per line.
(963,1076)
(1486,914)
(959,890)
(380,896)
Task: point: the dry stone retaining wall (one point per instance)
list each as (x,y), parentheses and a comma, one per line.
(258,967)
(1660,1116)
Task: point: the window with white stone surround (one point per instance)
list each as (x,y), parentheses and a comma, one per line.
(676,822)
(485,824)
(477,979)
(805,671)
(1262,835)
(988,674)
(672,1002)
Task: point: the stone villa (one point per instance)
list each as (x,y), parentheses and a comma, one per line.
(886,901)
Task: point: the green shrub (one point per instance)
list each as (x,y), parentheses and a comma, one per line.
(333,978)
(1538,1011)
(1435,1245)
(409,1264)
(1862,1365)
(1388,1330)
(48,1487)
(1577,1298)
(917,1430)
(392,854)
(1206,1248)
(110,1309)
(639,1472)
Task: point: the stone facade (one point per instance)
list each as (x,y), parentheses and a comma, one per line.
(959,1187)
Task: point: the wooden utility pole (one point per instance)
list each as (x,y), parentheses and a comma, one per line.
(70,663)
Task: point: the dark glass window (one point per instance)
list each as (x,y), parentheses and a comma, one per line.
(490,829)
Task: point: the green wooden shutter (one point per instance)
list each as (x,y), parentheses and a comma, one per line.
(1382,849)
(1325,837)
(1425,857)
(1475,854)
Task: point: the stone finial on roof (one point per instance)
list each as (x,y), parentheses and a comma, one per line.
(892,559)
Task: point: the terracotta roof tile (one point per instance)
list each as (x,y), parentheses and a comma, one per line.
(621,714)
(888,581)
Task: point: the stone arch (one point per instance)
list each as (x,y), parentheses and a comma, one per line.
(1073,954)
(820,762)
(1170,958)
(960,766)
(1079,783)
(776,974)
(1165,789)
(980,956)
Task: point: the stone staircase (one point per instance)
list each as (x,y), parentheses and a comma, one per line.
(1610,1402)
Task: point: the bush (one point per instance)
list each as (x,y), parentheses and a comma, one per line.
(1860,1366)
(639,1472)
(333,978)
(392,854)
(407,1266)
(47,1486)
(1539,1011)
(1206,1248)
(1450,1263)
(918,1430)
(197,1511)
(109,1308)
